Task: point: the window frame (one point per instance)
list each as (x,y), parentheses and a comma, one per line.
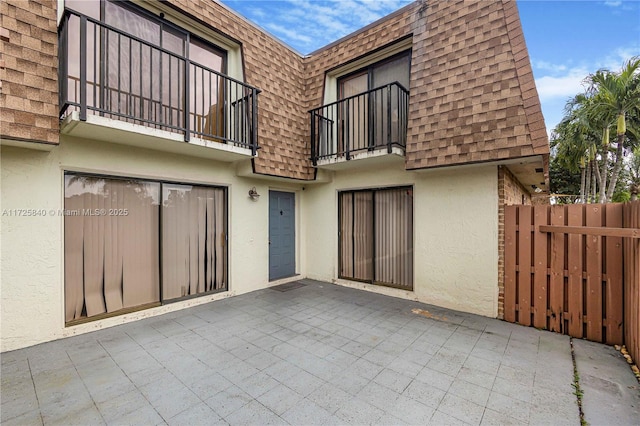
(369,68)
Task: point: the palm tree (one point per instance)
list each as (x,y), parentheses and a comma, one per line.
(613,97)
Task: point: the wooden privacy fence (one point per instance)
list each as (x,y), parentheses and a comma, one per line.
(566,270)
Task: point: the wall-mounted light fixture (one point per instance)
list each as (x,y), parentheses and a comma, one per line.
(253,194)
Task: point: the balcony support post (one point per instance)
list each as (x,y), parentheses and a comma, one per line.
(187,99)
(314,158)
(254,113)
(389,142)
(83,68)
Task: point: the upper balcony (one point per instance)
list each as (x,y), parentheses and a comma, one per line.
(368,125)
(123,88)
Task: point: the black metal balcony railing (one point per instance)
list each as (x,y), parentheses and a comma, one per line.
(365,122)
(107,72)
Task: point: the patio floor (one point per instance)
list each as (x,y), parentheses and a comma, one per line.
(302,353)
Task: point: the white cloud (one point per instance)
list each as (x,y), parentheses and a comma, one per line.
(288,33)
(562,86)
(548,66)
(613,3)
(310,24)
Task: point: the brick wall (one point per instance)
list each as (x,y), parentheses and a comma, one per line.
(510,192)
(29,75)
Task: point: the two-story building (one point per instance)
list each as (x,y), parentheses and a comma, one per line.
(162,154)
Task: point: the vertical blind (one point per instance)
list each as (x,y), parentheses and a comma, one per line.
(193,240)
(376,236)
(112,243)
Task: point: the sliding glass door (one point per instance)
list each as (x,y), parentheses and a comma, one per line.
(115,230)
(376,236)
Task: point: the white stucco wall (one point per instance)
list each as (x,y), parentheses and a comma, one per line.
(31,257)
(455,233)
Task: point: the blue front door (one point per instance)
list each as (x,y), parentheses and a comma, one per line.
(282,235)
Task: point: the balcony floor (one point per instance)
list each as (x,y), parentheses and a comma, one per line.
(301,353)
(124,133)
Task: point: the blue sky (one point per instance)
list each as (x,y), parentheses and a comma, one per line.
(567,39)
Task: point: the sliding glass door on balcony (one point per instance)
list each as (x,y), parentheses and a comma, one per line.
(124,63)
(376,236)
(371,111)
(131,244)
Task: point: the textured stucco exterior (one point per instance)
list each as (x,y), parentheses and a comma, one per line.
(32,260)
(473,110)
(457,270)
(455,253)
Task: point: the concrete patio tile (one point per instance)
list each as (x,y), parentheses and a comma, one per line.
(357,357)
(355,348)
(262,360)
(237,370)
(87,415)
(521,376)
(435,378)
(254,413)
(378,396)
(199,414)
(29,418)
(461,409)
(17,404)
(410,411)
(309,413)
(280,399)
(443,419)
(329,397)
(119,407)
(476,377)
(463,389)
(393,380)
(495,418)
(257,384)
(415,356)
(121,342)
(486,366)
(267,342)
(348,332)
(285,350)
(349,382)
(403,366)
(513,389)
(365,368)
(341,358)
(388,419)
(210,385)
(106,384)
(282,370)
(379,357)
(446,363)
(509,406)
(303,383)
(424,393)
(355,411)
(169,397)
(228,401)
(557,407)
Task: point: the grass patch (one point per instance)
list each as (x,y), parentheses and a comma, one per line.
(577,390)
